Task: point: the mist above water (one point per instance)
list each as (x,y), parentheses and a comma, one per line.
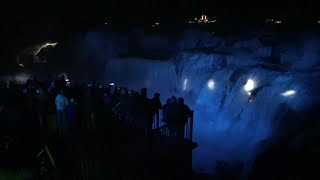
(229,126)
(211,72)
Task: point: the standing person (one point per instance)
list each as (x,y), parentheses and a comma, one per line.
(42,106)
(164,110)
(61,105)
(172,116)
(156,106)
(71,113)
(183,112)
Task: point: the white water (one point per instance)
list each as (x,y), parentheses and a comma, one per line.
(227,126)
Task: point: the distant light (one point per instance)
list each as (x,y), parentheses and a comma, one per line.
(278,22)
(157,24)
(318,22)
(111,84)
(249,86)
(185,84)
(67,80)
(269,20)
(289,93)
(21,65)
(211,84)
(105,23)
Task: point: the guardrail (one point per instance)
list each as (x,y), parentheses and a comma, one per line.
(163,129)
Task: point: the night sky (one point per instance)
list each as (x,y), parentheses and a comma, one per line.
(25,22)
(69,12)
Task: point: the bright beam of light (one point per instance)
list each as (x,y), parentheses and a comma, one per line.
(185,84)
(111,84)
(211,84)
(249,86)
(289,93)
(44,46)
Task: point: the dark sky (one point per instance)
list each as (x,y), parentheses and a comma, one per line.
(67,12)
(20,18)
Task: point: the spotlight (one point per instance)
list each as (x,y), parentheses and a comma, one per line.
(249,86)
(211,84)
(289,93)
(185,84)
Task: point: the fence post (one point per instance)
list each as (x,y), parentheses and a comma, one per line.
(158,120)
(191,126)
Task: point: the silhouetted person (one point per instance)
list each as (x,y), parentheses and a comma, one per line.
(145,112)
(171,116)
(42,106)
(165,111)
(61,105)
(183,112)
(71,112)
(156,106)
(60,83)
(89,104)
(121,109)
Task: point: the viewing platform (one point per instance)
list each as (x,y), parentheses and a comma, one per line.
(124,152)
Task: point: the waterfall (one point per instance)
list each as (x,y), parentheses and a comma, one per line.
(229,125)
(134,73)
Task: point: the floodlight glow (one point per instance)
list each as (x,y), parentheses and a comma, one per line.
(249,86)
(111,84)
(67,80)
(185,84)
(211,84)
(289,93)
(44,46)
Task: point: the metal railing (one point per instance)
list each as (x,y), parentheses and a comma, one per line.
(163,129)
(189,127)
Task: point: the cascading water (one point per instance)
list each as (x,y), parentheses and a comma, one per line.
(228,124)
(135,74)
(230,120)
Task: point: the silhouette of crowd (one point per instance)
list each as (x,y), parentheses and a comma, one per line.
(84,104)
(81,110)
